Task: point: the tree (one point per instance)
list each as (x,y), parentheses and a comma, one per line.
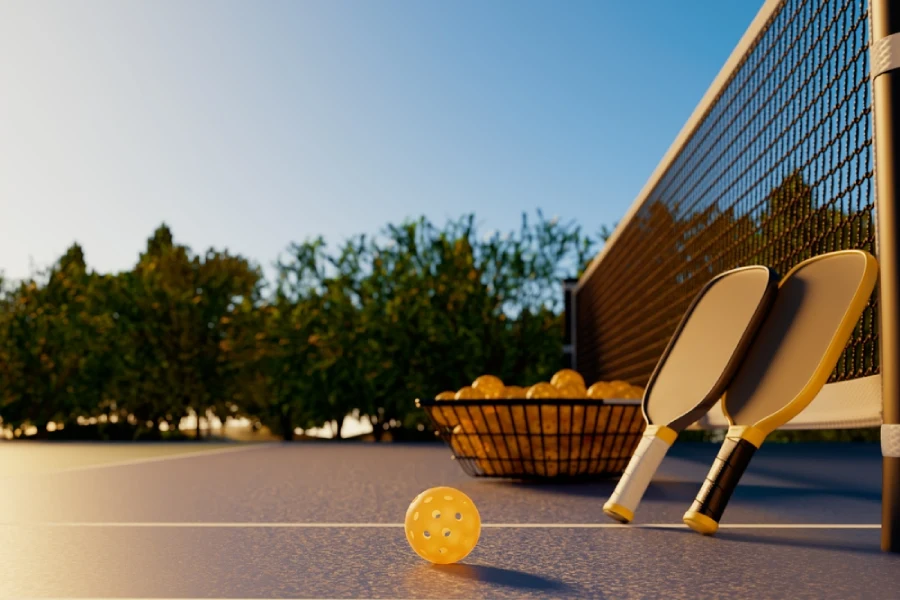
(57,358)
(176,311)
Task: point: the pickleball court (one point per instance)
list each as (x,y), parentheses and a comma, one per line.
(324,520)
(779,162)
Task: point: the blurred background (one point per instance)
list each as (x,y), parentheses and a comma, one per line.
(339,343)
(290,219)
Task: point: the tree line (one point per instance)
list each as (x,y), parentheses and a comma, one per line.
(360,329)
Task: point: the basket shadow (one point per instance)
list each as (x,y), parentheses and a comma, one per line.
(502,577)
(584,488)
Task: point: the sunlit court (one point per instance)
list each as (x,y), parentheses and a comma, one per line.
(326,521)
(343,300)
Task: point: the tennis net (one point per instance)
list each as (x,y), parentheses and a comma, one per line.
(775,166)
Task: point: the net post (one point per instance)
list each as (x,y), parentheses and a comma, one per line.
(569,322)
(885,45)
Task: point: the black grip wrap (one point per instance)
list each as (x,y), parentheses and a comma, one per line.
(723,477)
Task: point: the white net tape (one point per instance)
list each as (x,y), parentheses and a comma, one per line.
(843,405)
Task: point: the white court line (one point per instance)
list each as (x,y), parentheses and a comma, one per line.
(153,459)
(252,525)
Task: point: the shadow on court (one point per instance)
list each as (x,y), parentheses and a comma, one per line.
(584,489)
(795,542)
(686,491)
(503,577)
(807,539)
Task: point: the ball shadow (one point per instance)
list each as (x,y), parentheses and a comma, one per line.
(503,577)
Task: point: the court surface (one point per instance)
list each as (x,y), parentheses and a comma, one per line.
(324,520)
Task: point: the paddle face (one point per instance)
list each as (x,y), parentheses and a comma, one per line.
(818,305)
(693,372)
(708,345)
(791,359)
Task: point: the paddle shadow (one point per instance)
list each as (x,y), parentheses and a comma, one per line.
(686,491)
(503,577)
(772,539)
(811,544)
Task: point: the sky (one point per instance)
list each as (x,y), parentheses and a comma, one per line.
(249,125)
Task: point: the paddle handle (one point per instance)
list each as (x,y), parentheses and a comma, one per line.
(646,459)
(722,479)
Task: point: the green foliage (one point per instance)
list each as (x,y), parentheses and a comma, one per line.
(360,330)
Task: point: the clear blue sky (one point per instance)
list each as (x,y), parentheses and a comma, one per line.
(249,125)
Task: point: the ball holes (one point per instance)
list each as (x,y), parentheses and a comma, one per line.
(458,516)
(427,535)
(448,498)
(436,514)
(446,532)
(428,499)
(416,516)
(443,551)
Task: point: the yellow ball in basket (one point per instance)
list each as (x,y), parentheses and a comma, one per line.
(441,416)
(442,525)
(489,385)
(620,387)
(571,390)
(634,393)
(469,393)
(601,391)
(565,376)
(514,391)
(542,390)
(471,419)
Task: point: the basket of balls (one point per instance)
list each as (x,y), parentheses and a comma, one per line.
(556,429)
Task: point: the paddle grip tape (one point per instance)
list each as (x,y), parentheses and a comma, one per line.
(640,470)
(723,477)
(890,440)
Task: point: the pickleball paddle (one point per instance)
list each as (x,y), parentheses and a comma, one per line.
(694,371)
(801,340)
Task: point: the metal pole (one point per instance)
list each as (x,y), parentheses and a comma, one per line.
(570,322)
(885,55)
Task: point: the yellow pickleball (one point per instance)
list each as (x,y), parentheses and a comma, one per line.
(620,387)
(444,415)
(567,376)
(571,390)
(442,525)
(489,385)
(514,391)
(469,393)
(542,390)
(601,390)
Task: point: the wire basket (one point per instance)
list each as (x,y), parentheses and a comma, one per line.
(540,438)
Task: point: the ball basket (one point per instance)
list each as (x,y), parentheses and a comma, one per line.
(538,439)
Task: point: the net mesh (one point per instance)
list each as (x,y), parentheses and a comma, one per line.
(778,169)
